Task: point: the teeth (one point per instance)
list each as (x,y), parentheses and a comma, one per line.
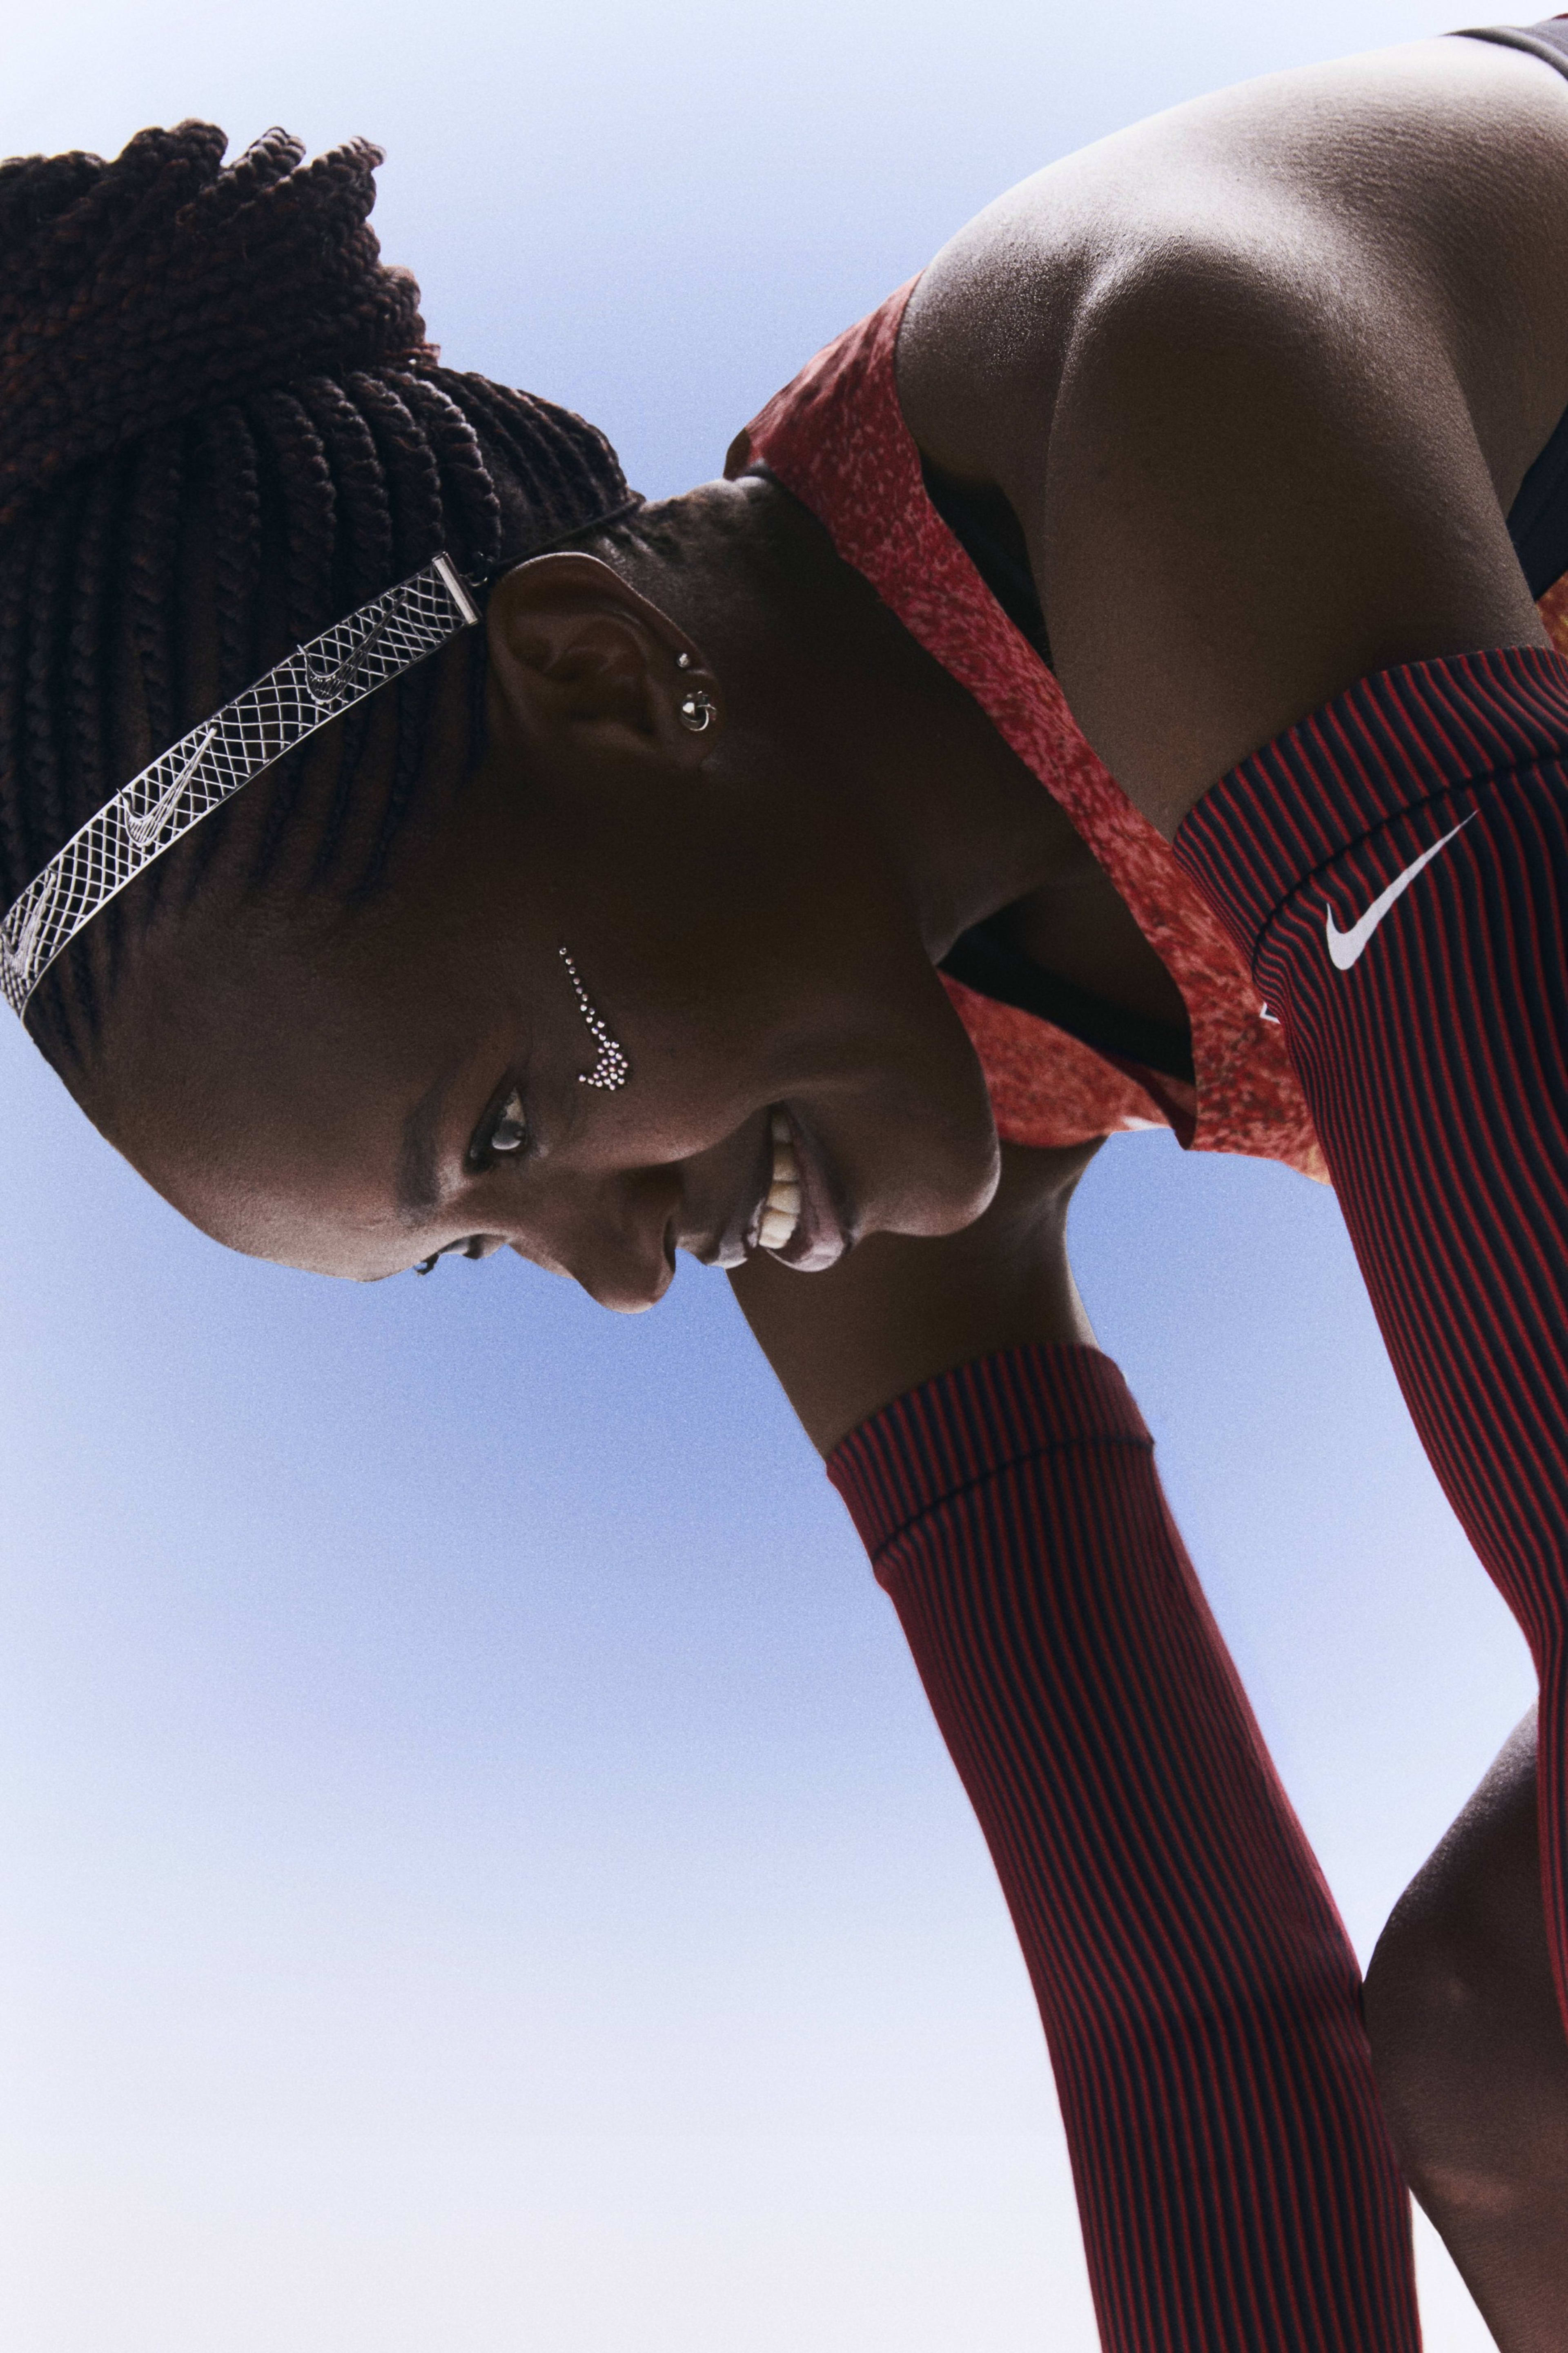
(781,1210)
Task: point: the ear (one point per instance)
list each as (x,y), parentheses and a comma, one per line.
(585,665)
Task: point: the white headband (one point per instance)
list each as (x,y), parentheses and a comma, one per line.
(204,769)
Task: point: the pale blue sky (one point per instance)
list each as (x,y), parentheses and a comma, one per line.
(479,1873)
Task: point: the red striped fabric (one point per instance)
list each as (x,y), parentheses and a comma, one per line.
(1200,1999)
(1435,1069)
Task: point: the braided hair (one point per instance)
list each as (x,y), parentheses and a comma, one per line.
(221,429)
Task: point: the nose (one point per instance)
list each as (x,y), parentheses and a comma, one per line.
(618,1240)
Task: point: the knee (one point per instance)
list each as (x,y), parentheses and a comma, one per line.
(1466,2039)
(1429,2004)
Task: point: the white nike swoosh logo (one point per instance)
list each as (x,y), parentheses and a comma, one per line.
(146,828)
(20,957)
(1344,947)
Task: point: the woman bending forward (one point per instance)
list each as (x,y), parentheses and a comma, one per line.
(745,875)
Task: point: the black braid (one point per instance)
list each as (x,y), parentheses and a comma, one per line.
(18,553)
(91,752)
(408,463)
(227,468)
(220,429)
(296,474)
(152,543)
(291,449)
(467,491)
(48,637)
(364,545)
(228,452)
(364,563)
(467,496)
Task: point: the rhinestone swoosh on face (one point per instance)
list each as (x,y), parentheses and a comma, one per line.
(611,1069)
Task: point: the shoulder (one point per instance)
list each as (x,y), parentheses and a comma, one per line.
(1263,480)
(1289,353)
(1438,154)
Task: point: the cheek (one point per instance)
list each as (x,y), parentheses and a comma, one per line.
(889,1084)
(918,1144)
(857,1034)
(680,1100)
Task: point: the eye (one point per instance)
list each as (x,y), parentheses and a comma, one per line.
(508,1131)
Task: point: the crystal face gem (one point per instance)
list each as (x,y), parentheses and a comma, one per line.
(611,1069)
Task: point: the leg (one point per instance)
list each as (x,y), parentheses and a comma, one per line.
(1472,2060)
(1396,869)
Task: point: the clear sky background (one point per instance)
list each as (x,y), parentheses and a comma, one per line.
(479,1871)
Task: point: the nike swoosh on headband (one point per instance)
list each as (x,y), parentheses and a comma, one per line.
(205,768)
(1344,947)
(147,829)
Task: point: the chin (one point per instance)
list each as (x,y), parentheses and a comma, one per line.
(951,1211)
(958,1173)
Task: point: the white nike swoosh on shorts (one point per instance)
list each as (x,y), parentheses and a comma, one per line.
(1344,947)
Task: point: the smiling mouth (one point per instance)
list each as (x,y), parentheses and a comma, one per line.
(796,1215)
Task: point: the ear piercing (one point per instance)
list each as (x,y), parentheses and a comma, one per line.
(611,1069)
(696,714)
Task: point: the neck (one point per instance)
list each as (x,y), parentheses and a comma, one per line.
(818,670)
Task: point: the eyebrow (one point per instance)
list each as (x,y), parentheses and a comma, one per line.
(417,1185)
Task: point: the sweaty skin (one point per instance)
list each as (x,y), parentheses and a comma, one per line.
(1259,380)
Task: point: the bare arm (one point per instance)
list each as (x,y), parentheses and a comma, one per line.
(895,1312)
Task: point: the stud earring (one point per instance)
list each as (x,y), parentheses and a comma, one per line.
(696,712)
